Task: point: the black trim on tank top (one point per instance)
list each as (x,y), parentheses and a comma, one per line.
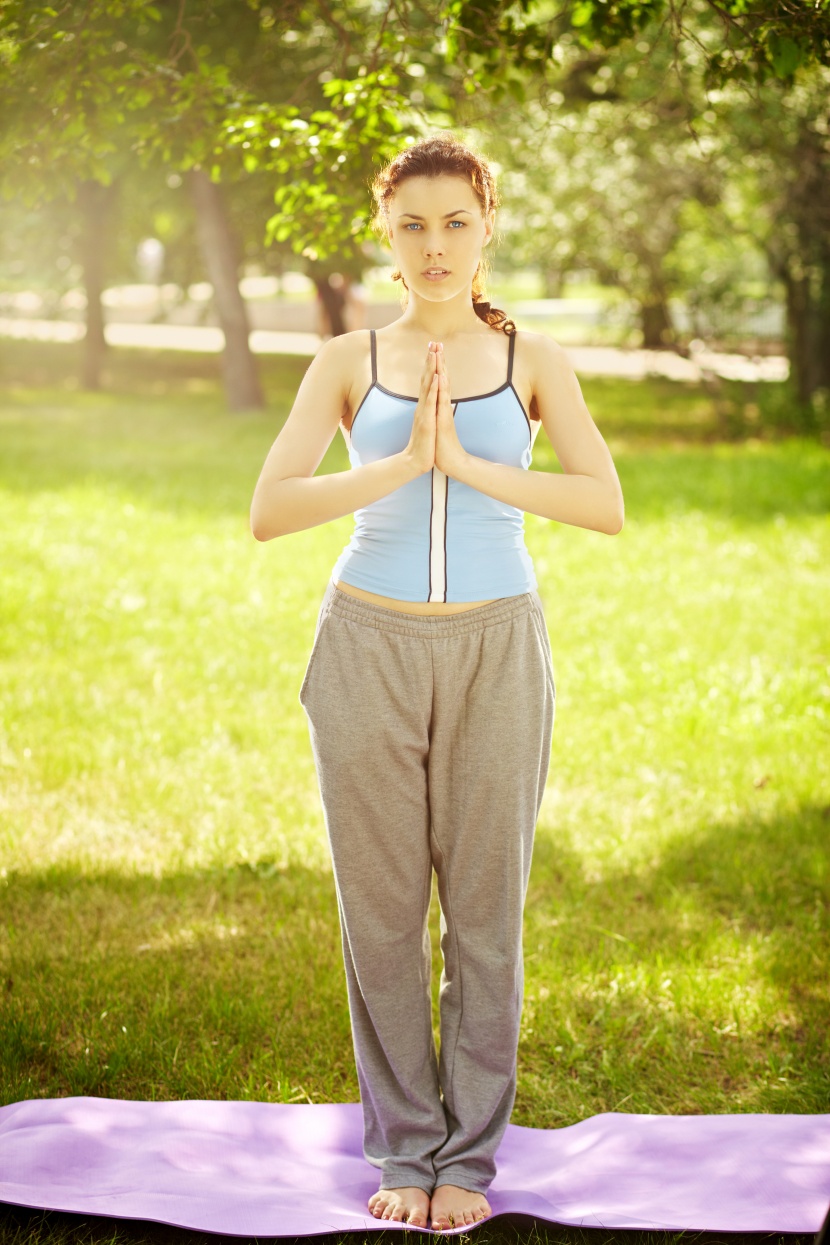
(476,397)
(406,397)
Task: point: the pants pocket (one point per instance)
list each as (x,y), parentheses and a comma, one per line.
(544,640)
(322,619)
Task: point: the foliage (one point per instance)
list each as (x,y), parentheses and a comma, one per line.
(90,86)
(742,40)
(315,95)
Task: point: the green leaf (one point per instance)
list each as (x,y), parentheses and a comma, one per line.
(786,55)
(582,13)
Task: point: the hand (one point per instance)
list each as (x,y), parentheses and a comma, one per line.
(421,448)
(450,454)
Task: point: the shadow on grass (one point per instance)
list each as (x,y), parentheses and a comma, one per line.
(696,983)
(650,986)
(229,985)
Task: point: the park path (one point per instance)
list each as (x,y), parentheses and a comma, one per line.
(586,360)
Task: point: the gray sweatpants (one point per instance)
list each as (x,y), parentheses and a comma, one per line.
(431,738)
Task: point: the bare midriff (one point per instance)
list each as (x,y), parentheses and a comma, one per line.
(412,607)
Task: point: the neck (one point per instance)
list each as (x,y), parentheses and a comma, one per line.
(441,321)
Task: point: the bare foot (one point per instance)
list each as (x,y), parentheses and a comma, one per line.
(408,1205)
(453,1207)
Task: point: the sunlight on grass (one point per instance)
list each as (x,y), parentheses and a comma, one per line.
(169,921)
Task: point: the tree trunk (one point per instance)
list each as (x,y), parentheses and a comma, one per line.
(823,326)
(801,335)
(656,325)
(333,301)
(242,387)
(805,271)
(553,282)
(96,202)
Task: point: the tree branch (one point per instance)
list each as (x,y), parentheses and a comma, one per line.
(180,32)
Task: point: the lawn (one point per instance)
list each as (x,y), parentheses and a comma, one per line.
(168,920)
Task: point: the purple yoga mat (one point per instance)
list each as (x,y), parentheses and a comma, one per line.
(268,1169)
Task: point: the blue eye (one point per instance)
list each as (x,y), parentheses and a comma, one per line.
(414,224)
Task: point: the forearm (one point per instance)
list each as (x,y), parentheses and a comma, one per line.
(581,500)
(299,502)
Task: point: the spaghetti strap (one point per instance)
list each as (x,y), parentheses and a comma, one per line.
(374,357)
(510,350)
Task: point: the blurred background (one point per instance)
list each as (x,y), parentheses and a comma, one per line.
(195,177)
(184,218)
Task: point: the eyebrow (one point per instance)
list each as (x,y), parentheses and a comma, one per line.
(446,217)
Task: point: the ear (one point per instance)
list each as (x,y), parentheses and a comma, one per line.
(489,225)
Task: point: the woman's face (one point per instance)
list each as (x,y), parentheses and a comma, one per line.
(436,222)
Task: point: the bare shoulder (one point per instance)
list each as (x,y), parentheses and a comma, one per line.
(342,356)
(542,353)
(336,354)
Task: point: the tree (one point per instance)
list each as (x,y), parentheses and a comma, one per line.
(736,40)
(782,153)
(87,82)
(624,142)
(97,204)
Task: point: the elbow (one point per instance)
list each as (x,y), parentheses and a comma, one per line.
(262,518)
(262,533)
(616,520)
(260,530)
(617,514)
(257,528)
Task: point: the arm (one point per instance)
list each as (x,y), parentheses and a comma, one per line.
(589,493)
(288,497)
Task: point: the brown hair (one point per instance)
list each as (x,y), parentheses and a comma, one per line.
(439,156)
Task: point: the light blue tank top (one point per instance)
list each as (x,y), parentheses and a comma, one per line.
(434,538)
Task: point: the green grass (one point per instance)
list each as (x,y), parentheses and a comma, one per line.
(39,1228)
(168,922)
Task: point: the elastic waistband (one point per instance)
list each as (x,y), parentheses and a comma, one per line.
(341,603)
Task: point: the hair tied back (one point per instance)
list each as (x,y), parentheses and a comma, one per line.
(438,156)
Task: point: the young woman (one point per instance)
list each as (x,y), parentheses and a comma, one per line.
(429,690)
